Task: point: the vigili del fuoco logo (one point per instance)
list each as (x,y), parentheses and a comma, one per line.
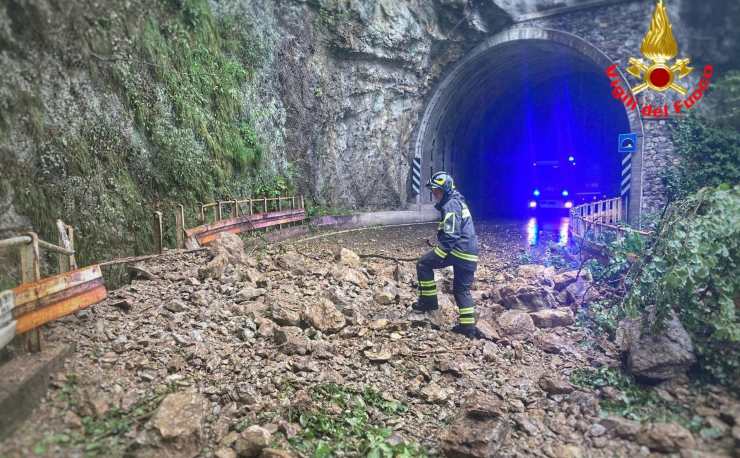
(659,71)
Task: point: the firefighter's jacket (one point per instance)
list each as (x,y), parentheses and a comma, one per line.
(456,234)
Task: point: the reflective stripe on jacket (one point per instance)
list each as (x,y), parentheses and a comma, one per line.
(456,232)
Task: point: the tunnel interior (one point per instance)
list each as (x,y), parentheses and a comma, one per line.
(528,126)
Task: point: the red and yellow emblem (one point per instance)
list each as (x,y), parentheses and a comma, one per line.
(660,47)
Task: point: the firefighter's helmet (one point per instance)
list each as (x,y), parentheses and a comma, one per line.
(443,181)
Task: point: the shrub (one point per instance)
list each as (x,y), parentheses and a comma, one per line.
(693,268)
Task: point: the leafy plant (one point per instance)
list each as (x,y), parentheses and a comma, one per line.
(693,269)
(339,423)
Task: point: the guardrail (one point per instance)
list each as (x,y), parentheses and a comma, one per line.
(37,301)
(236,216)
(599,222)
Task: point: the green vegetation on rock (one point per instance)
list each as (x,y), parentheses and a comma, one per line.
(190,130)
(339,423)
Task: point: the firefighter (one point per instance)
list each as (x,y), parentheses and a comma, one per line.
(458,247)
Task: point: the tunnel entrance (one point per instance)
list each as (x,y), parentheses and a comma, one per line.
(526,124)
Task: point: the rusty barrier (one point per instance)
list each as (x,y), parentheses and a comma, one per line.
(235,216)
(24,309)
(37,301)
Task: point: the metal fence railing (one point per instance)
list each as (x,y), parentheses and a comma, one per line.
(600,222)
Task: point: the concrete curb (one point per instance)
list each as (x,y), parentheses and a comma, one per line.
(24,381)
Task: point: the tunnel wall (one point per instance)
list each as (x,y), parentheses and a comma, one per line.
(605,35)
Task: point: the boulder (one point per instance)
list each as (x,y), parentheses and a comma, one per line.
(225,452)
(324,316)
(386,296)
(471,438)
(292,262)
(536,274)
(555,385)
(446,315)
(665,437)
(552,318)
(348,258)
(656,358)
(565,279)
(433,393)
(285,314)
(227,249)
(266,327)
(487,329)
(484,407)
(380,355)
(250,294)
(347,275)
(550,343)
(515,323)
(527,297)
(180,419)
(292,341)
(252,441)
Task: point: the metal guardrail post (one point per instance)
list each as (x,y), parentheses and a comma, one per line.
(280,207)
(157,231)
(31,272)
(180,226)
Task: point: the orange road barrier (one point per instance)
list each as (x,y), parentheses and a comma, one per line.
(31,305)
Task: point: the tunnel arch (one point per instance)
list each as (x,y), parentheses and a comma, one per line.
(493,69)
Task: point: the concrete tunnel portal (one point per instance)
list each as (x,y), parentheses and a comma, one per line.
(528,116)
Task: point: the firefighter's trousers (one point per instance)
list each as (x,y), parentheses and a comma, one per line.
(464,272)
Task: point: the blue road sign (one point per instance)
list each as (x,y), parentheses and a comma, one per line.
(627,143)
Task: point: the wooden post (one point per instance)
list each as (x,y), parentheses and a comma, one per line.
(303,204)
(251,207)
(219,214)
(64,260)
(31,272)
(180,226)
(157,231)
(202,215)
(236,209)
(265,204)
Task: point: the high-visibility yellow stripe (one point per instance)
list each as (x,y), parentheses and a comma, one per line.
(428,293)
(439,252)
(467,320)
(428,288)
(467,311)
(465,256)
(427,283)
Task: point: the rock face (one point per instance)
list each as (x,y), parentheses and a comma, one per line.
(656,357)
